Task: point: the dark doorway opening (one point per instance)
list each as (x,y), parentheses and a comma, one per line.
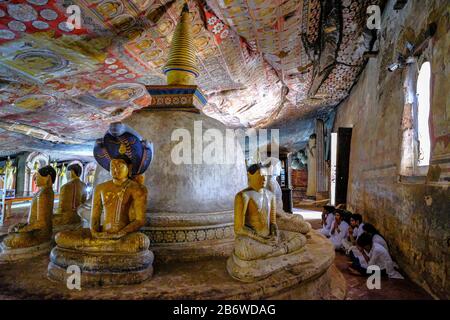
(343,163)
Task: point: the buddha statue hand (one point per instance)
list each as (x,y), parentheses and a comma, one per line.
(17,227)
(107,235)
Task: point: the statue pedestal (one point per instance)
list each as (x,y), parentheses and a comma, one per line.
(202,279)
(101,269)
(11,255)
(255,270)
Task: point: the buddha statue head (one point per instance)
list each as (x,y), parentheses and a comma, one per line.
(74,171)
(45,177)
(120,168)
(257,176)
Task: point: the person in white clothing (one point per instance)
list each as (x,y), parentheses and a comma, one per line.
(375,234)
(375,255)
(355,230)
(327,220)
(339,230)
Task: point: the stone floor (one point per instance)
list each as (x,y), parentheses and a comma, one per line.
(391,289)
(356,285)
(314,278)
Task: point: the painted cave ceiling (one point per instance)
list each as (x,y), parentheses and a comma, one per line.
(261,62)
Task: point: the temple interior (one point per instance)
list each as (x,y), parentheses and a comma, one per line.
(225,149)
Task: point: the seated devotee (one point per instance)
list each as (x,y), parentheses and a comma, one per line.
(375,234)
(286,221)
(260,248)
(339,229)
(374,255)
(35,235)
(355,230)
(327,220)
(71,196)
(117,253)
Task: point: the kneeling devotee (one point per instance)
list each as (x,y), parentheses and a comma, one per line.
(260,248)
(327,220)
(355,230)
(26,240)
(374,255)
(339,229)
(111,251)
(71,196)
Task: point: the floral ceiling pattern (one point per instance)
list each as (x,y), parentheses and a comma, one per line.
(261,61)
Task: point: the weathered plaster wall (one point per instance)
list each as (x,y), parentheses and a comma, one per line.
(414,216)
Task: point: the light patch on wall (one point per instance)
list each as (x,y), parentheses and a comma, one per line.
(423,114)
(333,167)
(428,201)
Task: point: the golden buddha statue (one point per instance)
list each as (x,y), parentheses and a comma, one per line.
(62,176)
(261,248)
(112,250)
(72,195)
(36,234)
(10,174)
(115,199)
(286,221)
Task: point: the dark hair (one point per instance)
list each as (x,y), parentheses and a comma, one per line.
(345,215)
(48,170)
(364,240)
(370,228)
(255,167)
(76,168)
(356,217)
(329,209)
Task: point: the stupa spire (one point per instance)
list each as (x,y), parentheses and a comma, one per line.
(181,67)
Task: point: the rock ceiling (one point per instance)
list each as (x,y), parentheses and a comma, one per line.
(261,62)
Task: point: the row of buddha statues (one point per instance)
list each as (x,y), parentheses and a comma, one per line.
(114,251)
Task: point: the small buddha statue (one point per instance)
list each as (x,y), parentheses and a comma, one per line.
(261,247)
(37,232)
(286,221)
(71,196)
(112,250)
(10,174)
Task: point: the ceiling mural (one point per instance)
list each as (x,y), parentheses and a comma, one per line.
(261,62)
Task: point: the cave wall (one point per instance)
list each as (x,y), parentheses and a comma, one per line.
(413,214)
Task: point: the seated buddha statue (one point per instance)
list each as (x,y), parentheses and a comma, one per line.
(71,196)
(261,247)
(28,239)
(112,250)
(285,221)
(115,199)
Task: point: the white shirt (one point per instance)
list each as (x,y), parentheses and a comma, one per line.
(337,237)
(379,256)
(379,239)
(358,231)
(325,230)
(329,221)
